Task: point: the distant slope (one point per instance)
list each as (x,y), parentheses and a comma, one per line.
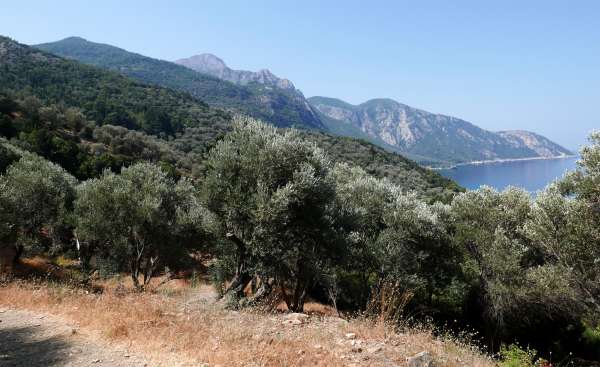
(281,107)
(105,97)
(434,137)
(544,147)
(109,98)
(348,130)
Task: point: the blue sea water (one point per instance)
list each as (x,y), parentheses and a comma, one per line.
(531,175)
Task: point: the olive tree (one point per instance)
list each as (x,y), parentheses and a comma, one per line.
(489,225)
(393,237)
(584,182)
(362,201)
(565,232)
(140,218)
(36,198)
(271,196)
(530,262)
(415,248)
(8,231)
(565,225)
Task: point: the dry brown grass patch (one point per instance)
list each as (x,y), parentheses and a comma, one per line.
(186,328)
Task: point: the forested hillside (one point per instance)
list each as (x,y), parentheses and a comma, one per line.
(104,97)
(430,139)
(88,119)
(281,107)
(384,164)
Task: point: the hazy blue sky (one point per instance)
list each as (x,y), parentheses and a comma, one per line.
(510,65)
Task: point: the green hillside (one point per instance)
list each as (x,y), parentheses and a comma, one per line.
(283,108)
(104,97)
(88,119)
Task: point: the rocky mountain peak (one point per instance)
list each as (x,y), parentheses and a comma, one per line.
(210,64)
(201,62)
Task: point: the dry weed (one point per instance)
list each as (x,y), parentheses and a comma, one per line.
(188,327)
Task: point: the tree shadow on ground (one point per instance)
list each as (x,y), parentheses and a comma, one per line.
(20,348)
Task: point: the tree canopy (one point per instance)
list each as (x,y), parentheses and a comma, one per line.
(141,219)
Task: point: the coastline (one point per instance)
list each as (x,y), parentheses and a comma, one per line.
(500,160)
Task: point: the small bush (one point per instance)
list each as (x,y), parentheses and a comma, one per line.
(515,356)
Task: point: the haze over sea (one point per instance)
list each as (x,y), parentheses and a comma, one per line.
(531,175)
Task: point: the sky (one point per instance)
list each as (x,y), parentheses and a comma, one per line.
(532,65)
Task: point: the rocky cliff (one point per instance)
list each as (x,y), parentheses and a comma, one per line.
(433,137)
(212,65)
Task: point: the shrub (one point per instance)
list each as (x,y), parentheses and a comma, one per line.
(36,198)
(141,219)
(515,356)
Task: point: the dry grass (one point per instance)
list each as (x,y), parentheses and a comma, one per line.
(182,326)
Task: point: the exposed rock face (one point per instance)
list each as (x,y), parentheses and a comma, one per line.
(431,136)
(212,65)
(541,145)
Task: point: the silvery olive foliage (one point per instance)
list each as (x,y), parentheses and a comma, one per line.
(8,228)
(140,218)
(275,213)
(566,228)
(36,196)
(534,258)
(271,196)
(488,225)
(392,236)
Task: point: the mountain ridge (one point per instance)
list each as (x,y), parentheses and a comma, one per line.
(179,132)
(280,107)
(440,138)
(431,139)
(208,63)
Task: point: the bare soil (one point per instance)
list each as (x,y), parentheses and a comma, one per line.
(180,325)
(30,339)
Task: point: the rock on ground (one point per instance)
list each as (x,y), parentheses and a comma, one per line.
(422,359)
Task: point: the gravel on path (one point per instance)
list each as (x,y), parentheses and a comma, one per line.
(34,340)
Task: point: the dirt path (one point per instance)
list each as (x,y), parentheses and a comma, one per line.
(35,340)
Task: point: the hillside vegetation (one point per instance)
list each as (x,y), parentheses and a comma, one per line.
(281,107)
(280,221)
(430,138)
(383,164)
(104,97)
(87,119)
(285,217)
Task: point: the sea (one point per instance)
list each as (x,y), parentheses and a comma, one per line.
(531,175)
